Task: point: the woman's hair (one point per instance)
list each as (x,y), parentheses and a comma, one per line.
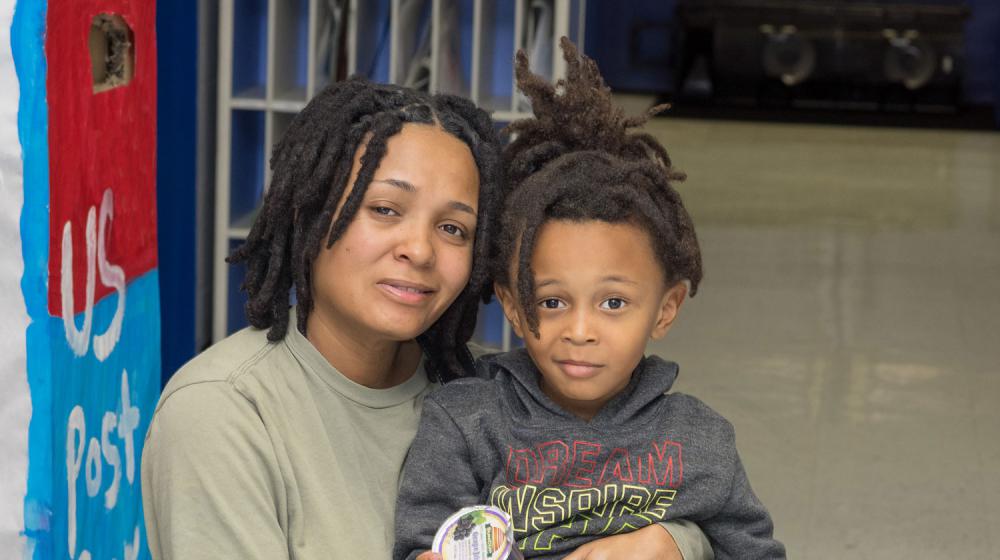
(311,167)
(576,160)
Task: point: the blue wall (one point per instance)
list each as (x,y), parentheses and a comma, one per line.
(982,47)
(176,172)
(642,65)
(632,67)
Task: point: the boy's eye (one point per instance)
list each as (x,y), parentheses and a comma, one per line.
(613,303)
(551,303)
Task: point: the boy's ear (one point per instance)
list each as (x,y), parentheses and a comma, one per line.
(510,307)
(670,306)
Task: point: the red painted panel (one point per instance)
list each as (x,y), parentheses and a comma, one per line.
(99,141)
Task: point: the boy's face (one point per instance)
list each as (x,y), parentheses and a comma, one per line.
(407,253)
(600,295)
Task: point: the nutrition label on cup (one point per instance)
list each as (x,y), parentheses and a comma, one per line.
(477,533)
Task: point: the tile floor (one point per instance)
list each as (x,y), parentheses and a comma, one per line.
(849,326)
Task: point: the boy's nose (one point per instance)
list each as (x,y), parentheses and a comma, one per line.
(579,328)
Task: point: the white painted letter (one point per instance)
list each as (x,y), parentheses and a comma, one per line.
(78,340)
(74,456)
(112,276)
(113,458)
(94,468)
(127,423)
(132,551)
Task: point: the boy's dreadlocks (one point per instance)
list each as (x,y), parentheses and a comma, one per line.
(311,166)
(576,160)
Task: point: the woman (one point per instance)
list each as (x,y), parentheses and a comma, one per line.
(284,442)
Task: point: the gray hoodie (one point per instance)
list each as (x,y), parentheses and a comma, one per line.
(647,456)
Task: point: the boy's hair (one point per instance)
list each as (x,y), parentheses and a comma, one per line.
(311,166)
(576,160)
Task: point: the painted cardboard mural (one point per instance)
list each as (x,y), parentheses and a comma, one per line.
(79,284)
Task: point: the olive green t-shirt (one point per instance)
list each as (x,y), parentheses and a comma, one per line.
(262,450)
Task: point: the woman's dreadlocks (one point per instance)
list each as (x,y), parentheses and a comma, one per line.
(311,166)
(576,160)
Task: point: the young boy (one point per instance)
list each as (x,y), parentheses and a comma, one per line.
(575,436)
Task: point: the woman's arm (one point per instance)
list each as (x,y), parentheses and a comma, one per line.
(673,540)
(690,540)
(210,483)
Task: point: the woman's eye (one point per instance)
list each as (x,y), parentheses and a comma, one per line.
(613,303)
(550,303)
(384,211)
(452,229)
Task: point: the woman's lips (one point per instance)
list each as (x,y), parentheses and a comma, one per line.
(406,292)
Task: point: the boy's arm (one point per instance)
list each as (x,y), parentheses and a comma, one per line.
(437,481)
(742,528)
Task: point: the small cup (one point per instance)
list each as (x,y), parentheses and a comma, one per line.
(477,533)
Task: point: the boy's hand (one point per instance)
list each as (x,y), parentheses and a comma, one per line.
(428,555)
(649,543)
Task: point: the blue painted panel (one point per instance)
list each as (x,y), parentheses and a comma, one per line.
(27,32)
(101,411)
(89,414)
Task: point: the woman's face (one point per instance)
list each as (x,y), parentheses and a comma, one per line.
(407,253)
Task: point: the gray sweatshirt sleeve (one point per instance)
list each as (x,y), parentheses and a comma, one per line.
(743,528)
(437,481)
